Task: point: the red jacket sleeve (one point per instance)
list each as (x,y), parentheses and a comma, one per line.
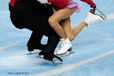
(90,2)
(58,4)
(12,2)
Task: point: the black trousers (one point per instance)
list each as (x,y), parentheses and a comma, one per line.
(35,18)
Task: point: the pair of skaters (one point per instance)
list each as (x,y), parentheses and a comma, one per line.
(39,18)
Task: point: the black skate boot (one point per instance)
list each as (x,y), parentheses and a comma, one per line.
(51,57)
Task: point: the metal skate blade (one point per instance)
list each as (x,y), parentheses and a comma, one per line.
(101,14)
(31,53)
(66,54)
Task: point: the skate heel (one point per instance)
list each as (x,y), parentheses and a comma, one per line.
(52,58)
(57,61)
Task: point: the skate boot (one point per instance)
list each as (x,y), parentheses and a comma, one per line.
(65,47)
(91,18)
(50,57)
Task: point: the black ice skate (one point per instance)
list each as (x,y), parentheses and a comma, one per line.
(51,57)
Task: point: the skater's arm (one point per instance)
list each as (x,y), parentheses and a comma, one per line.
(90,2)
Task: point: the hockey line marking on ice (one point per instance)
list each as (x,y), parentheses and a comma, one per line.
(72,66)
(10,45)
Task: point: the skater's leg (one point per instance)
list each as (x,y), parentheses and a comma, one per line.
(35,42)
(38,24)
(78,28)
(51,44)
(72,33)
(48,51)
(57,17)
(66,24)
(60,15)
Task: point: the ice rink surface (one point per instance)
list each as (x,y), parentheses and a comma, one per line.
(93,47)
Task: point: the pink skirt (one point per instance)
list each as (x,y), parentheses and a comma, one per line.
(72,4)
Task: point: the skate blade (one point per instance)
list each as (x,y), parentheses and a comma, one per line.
(31,53)
(66,54)
(55,60)
(69,50)
(102,15)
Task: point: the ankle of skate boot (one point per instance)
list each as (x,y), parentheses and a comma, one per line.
(92,11)
(70,49)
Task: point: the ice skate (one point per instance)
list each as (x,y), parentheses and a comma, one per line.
(65,47)
(92,17)
(50,57)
